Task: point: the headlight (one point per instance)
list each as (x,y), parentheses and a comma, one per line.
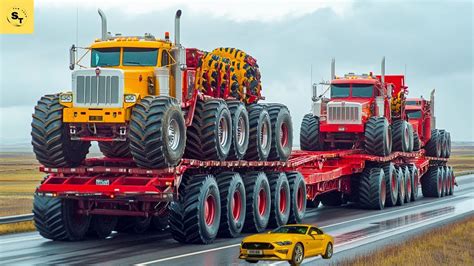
(284,243)
(65,98)
(130,98)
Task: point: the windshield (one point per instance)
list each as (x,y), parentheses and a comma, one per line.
(414,114)
(340,90)
(140,56)
(362,90)
(291,230)
(105,57)
(411,103)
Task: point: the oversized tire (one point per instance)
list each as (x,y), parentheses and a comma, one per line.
(195,216)
(378,136)
(391,183)
(57,219)
(372,189)
(157,132)
(133,224)
(210,134)
(115,149)
(414,181)
(233,204)
(310,139)
(160,222)
(433,147)
(332,199)
(240,130)
(258,196)
(416,142)
(280,199)
(451,180)
(444,143)
(297,256)
(298,197)
(103,225)
(52,144)
(444,180)
(260,133)
(282,132)
(411,137)
(328,252)
(431,182)
(401,186)
(408,183)
(401,136)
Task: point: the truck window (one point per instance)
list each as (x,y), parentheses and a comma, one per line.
(140,56)
(165,58)
(362,90)
(414,114)
(412,103)
(105,57)
(340,90)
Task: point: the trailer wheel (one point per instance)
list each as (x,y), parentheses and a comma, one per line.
(52,144)
(240,130)
(408,186)
(57,219)
(416,142)
(160,222)
(414,181)
(133,224)
(157,132)
(260,133)
(332,199)
(431,182)
(280,195)
(298,197)
(444,143)
(102,225)
(309,134)
(378,136)
(433,147)
(258,201)
(401,136)
(115,149)
(372,189)
(391,183)
(451,180)
(195,217)
(411,137)
(282,132)
(233,203)
(401,186)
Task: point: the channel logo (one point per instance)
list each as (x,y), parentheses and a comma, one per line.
(17,17)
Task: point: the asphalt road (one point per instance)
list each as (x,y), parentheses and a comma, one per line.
(355,230)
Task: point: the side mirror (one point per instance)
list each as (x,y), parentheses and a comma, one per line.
(72,57)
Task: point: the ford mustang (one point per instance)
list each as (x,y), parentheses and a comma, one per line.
(293,243)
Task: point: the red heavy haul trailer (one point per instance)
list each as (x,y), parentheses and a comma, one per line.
(201,199)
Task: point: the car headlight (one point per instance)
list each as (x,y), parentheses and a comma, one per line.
(130,98)
(284,243)
(65,98)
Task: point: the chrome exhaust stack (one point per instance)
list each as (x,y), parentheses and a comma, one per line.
(179,54)
(382,71)
(103,19)
(333,68)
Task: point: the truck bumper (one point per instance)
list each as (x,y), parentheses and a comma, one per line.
(95,115)
(350,128)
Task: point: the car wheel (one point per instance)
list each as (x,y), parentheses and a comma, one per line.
(298,255)
(251,261)
(329,251)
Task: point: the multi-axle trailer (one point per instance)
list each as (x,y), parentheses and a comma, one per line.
(205,199)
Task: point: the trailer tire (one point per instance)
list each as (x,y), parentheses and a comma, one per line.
(408,186)
(157,132)
(414,181)
(444,181)
(133,224)
(444,143)
(240,130)
(391,183)
(102,225)
(309,134)
(280,199)
(258,200)
(401,186)
(401,136)
(416,142)
(233,203)
(451,180)
(378,136)
(431,182)
(298,197)
(115,149)
(332,199)
(56,219)
(259,134)
(433,147)
(372,189)
(282,132)
(50,137)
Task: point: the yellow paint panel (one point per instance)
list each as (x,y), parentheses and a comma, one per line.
(17,17)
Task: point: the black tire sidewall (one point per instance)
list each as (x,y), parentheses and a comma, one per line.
(236,185)
(264,119)
(240,112)
(173,156)
(283,118)
(76,225)
(261,221)
(282,182)
(297,184)
(210,187)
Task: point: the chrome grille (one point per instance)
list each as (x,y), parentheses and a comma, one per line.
(103,90)
(341,114)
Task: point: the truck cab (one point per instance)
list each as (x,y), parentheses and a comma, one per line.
(419,115)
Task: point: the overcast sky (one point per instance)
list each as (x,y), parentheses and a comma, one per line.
(431,39)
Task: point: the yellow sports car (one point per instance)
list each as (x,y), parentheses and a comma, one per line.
(292,242)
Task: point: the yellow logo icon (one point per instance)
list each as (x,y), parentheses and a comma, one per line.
(17,17)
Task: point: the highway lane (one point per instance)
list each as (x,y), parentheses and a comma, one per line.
(352,228)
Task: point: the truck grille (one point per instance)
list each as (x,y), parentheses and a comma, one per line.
(344,114)
(92,90)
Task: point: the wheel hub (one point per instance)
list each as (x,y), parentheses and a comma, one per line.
(236,205)
(299,198)
(283,200)
(209,209)
(284,135)
(174,136)
(223,131)
(262,201)
(264,136)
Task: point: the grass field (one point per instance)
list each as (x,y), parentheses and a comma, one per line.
(449,245)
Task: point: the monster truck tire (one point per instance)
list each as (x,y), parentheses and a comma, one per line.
(282,132)
(401,136)
(391,181)
(115,149)
(372,189)
(414,181)
(298,197)
(378,136)
(259,134)
(309,134)
(258,200)
(416,142)
(240,130)
(431,182)
(433,147)
(233,204)
(280,199)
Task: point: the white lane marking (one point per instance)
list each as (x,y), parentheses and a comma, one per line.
(20,239)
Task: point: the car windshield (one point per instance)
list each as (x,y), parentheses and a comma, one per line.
(291,230)
(414,114)
(362,90)
(140,56)
(105,57)
(340,90)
